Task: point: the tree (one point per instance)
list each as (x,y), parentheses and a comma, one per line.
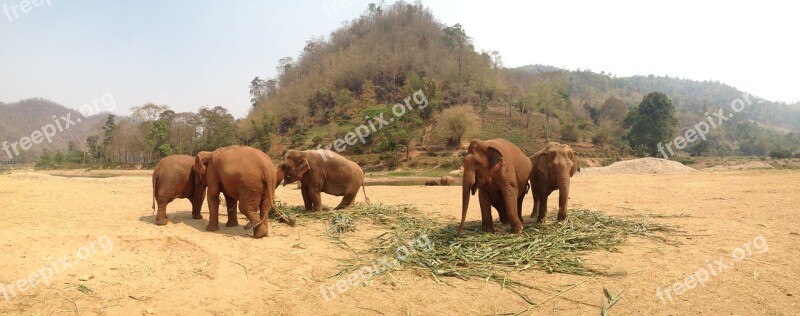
(157,136)
(148,112)
(217,128)
(613,110)
(457,122)
(651,123)
(109,130)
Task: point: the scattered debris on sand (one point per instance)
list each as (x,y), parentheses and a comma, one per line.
(745,166)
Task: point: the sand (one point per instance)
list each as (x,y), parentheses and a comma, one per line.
(180,269)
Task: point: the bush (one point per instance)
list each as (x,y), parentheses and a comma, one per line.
(457,122)
(780,154)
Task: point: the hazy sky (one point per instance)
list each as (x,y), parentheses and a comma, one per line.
(192,53)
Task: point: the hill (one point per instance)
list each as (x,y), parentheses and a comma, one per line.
(24,118)
(383,56)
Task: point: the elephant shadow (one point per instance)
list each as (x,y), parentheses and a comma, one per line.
(185,218)
(475,226)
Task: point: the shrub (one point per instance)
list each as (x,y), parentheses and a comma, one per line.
(458,121)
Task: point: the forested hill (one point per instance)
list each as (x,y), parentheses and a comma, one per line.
(381,57)
(23,118)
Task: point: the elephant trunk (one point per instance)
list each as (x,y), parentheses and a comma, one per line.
(563,196)
(278,177)
(467,186)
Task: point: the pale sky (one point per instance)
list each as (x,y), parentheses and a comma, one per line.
(192,53)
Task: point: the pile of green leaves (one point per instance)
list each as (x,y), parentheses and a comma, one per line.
(551,248)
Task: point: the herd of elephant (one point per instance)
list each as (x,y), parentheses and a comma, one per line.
(496,169)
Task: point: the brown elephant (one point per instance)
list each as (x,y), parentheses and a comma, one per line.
(331,173)
(446,180)
(243,174)
(553,167)
(203,157)
(499,171)
(174,178)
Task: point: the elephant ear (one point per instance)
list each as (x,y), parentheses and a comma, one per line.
(302,167)
(200,165)
(576,163)
(540,162)
(495,158)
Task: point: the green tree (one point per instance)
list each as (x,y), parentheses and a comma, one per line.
(109,131)
(217,127)
(650,123)
(157,137)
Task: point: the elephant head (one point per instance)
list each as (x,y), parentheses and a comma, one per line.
(199,168)
(557,162)
(480,164)
(294,166)
(279,175)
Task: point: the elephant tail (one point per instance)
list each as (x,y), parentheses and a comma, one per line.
(366,199)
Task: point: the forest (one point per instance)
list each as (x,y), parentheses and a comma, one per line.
(361,69)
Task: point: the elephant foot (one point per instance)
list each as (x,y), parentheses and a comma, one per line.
(232,224)
(260,231)
(197,216)
(541,221)
(162,221)
(212,228)
(516,230)
(489,229)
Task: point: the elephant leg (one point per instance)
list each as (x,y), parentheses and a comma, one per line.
(536,204)
(563,197)
(307,198)
(250,204)
(161,214)
(197,205)
(197,199)
(316,199)
(486,211)
(502,211)
(542,210)
(233,219)
(346,201)
(520,199)
(510,198)
(213,209)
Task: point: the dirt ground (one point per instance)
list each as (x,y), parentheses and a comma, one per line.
(121,263)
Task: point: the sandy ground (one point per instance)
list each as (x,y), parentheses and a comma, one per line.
(120,263)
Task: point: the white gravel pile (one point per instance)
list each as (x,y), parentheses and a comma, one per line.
(641,166)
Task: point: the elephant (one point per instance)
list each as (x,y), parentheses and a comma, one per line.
(431,183)
(245,175)
(203,157)
(553,167)
(174,178)
(499,171)
(446,180)
(323,171)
